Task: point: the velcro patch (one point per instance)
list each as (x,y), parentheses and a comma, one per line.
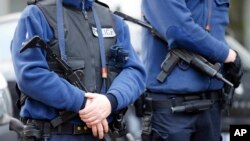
(106,32)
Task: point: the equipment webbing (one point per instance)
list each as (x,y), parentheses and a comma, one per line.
(102,50)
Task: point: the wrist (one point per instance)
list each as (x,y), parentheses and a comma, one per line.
(84,102)
(113,101)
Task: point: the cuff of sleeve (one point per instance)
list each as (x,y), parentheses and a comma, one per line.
(79,101)
(113,101)
(83,103)
(224,54)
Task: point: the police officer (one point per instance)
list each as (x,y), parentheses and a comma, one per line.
(197,26)
(89,38)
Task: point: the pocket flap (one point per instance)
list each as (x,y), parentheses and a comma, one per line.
(76,64)
(73,64)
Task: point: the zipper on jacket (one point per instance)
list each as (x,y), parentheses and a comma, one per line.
(84,11)
(92,88)
(209,14)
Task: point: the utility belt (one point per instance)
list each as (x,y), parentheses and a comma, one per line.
(185,103)
(188,103)
(37,130)
(42,130)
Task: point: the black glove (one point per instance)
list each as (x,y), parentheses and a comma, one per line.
(234,71)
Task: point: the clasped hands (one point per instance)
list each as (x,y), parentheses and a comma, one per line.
(96,110)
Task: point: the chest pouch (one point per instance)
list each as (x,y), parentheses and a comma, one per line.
(118,56)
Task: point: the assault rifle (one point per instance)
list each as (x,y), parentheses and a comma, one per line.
(74,77)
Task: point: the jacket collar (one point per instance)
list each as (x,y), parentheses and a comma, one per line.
(79,3)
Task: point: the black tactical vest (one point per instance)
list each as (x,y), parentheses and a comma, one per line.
(81,45)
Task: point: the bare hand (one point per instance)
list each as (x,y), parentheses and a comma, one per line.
(231,56)
(100,129)
(97,109)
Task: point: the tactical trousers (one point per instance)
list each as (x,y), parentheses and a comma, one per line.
(66,138)
(200,126)
(73,138)
(89,137)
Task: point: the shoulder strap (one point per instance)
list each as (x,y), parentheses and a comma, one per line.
(31,2)
(21,98)
(47,7)
(43,2)
(101,3)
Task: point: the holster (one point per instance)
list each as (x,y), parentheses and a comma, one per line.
(139,105)
(31,133)
(118,129)
(147,117)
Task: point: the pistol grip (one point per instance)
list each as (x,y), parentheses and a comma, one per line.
(167,66)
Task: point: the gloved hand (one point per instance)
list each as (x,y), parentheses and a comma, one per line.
(234,71)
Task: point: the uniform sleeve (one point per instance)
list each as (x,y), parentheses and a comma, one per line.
(130,83)
(32,72)
(173,20)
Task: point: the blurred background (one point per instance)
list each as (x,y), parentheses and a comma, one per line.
(238,38)
(239,14)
